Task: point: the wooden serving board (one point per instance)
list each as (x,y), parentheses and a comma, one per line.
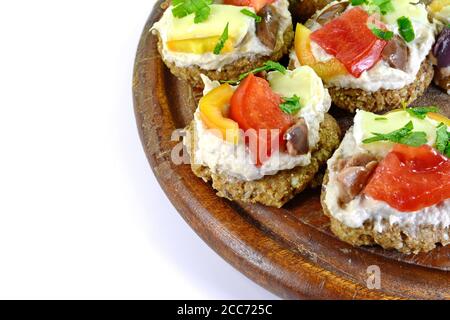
(289,251)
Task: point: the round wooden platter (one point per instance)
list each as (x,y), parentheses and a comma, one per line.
(290,251)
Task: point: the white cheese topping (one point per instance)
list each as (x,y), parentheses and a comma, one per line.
(382,76)
(235,160)
(364,208)
(249,46)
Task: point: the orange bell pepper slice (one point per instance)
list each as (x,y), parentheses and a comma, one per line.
(214,109)
(325,70)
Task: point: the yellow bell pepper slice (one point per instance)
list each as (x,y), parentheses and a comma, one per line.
(325,70)
(200,45)
(214,108)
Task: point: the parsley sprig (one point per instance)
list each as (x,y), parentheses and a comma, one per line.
(221,43)
(358,2)
(251,14)
(267,66)
(421,112)
(382,34)
(201,9)
(404,135)
(443,140)
(291,105)
(405,28)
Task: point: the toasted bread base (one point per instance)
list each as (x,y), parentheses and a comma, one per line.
(233,70)
(274,190)
(383,100)
(425,237)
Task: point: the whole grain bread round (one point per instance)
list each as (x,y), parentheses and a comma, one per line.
(233,70)
(383,100)
(274,190)
(424,239)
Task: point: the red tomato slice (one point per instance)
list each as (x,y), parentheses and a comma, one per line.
(411,178)
(256,4)
(256,108)
(349,39)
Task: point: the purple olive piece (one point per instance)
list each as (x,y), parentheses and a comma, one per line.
(441,49)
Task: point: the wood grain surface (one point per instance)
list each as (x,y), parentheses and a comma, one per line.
(290,251)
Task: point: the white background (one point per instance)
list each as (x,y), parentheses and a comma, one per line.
(81,215)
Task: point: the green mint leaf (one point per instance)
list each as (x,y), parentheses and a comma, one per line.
(421,112)
(268,66)
(291,105)
(221,43)
(442,138)
(382,34)
(405,28)
(251,14)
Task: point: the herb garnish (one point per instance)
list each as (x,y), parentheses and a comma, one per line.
(358,2)
(223,38)
(380,118)
(183,8)
(405,28)
(421,112)
(443,140)
(382,34)
(251,14)
(268,66)
(403,135)
(291,105)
